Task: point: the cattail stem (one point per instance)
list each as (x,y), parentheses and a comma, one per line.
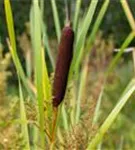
(55,114)
(64,59)
(67,9)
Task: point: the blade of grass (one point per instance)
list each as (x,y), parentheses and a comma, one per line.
(100,146)
(77,10)
(97,109)
(121,145)
(81,88)
(87,20)
(73,103)
(81,38)
(128,13)
(64,117)
(60,137)
(24,125)
(47,46)
(35,131)
(31,16)
(10,23)
(117,57)
(133,56)
(12,47)
(38,68)
(45,38)
(97,24)
(46,81)
(42,8)
(56,19)
(46,87)
(112,116)
(28,65)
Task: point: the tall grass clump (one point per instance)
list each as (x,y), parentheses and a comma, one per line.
(68,103)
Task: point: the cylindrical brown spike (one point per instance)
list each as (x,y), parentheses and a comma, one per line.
(62,65)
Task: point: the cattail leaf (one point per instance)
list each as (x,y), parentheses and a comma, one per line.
(56,19)
(97,24)
(47,46)
(115,60)
(98,105)
(47,89)
(24,124)
(64,117)
(128,13)
(12,46)
(81,38)
(81,88)
(77,10)
(38,68)
(45,36)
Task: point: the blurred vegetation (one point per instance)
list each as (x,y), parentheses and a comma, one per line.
(114,30)
(122,132)
(114,22)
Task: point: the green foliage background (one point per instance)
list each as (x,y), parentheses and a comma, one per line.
(114,22)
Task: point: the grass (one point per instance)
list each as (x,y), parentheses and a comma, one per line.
(80,110)
(24,127)
(38,69)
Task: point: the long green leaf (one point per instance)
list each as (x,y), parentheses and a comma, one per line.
(45,37)
(128,13)
(56,19)
(77,10)
(24,124)
(38,68)
(10,26)
(64,117)
(97,24)
(47,46)
(46,88)
(46,81)
(81,38)
(97,109)
(117,57)
(81,89)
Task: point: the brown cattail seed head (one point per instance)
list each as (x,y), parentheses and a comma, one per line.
(62,65)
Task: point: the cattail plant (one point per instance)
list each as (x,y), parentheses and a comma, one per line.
(65,53)
(36,130)
(62,68)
